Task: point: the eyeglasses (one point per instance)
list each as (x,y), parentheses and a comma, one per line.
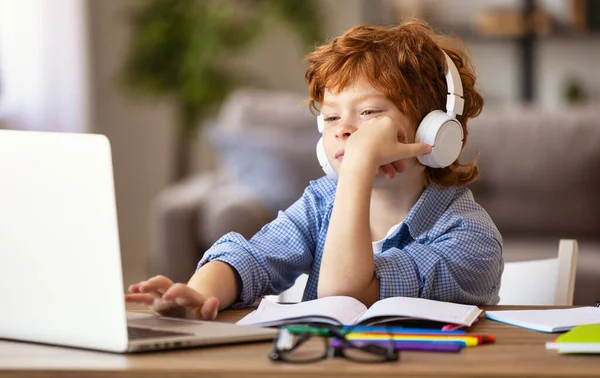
(304,344)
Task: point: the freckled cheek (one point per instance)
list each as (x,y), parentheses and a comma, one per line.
(329,144)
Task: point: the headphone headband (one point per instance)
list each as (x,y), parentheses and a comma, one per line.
(455,102)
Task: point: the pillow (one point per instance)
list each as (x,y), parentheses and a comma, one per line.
(539,169)
(249,107)
(230,207)
(275,163)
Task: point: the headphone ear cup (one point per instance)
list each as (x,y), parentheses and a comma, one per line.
(321,156)
(320,123)
(324,162)
(444,134)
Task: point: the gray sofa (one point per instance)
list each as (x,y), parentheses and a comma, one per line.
(540,177)
(540,172)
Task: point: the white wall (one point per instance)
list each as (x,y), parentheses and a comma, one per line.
(141,133)
(44,65)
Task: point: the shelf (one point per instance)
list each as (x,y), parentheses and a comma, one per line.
(522,20)
(471,35)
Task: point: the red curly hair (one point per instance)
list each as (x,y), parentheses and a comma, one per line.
(405,63)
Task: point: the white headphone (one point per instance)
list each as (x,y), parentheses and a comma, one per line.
(441,130)
(321,155)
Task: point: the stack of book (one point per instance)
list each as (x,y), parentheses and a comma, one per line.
(581,339)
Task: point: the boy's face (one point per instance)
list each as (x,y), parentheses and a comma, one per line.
(346,110)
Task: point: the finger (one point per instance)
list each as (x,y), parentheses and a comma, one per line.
(142,299)
(386,170)
(381,170)
(389,171)
(184,295)
(210,309)
(399,166)
(135,288)
(420,149)
(412,150)
(158,283)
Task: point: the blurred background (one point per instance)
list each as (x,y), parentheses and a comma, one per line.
(202,102)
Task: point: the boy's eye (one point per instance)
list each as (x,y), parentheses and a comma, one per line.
(369,112)
(331,119)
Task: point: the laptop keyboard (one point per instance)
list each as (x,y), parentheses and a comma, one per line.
(136,333)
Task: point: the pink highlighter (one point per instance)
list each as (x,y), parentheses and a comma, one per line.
(454,327)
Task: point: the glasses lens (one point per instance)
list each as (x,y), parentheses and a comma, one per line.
(300,348)
(368,350)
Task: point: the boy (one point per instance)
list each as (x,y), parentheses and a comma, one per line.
(381,224)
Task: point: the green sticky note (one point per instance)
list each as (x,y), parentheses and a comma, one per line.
(589,333)
(581,339)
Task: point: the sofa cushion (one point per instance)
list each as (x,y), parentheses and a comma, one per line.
(230,207)
(539,170)
(266,141)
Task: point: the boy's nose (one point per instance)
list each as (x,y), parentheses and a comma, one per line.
(344,130)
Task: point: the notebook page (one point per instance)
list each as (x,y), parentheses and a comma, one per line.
(553,320)
(344,309)
(423,309)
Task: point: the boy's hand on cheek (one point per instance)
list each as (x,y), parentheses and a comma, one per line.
(166,298)
(378,145)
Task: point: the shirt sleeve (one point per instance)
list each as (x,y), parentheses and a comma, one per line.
(280,252)
(460,266)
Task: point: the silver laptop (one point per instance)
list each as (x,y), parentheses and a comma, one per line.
(60,264)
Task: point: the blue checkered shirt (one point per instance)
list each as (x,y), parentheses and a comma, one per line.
(447,248)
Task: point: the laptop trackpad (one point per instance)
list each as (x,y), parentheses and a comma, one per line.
(156,322)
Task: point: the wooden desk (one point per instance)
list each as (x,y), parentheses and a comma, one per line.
(517,352)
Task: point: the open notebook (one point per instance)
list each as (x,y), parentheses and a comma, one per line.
(551,320)
(340,310)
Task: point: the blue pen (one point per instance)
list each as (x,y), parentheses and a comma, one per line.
(401,330)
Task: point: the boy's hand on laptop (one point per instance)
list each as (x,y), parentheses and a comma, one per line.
(173,299)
